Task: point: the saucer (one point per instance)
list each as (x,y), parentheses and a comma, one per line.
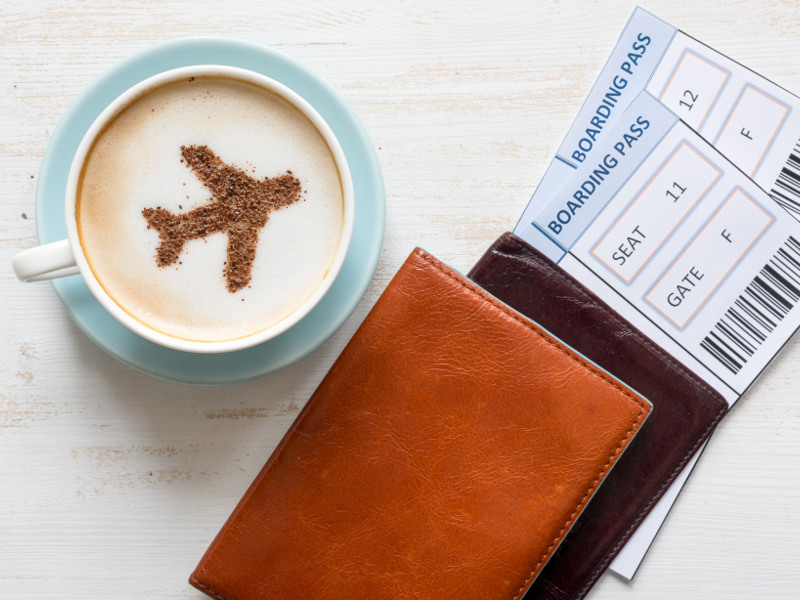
(332,310)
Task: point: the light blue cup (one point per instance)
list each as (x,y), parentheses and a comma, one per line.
(331,311)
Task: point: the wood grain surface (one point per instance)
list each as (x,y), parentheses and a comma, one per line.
(112,482)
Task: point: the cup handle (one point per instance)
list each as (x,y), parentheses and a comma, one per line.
(47,261)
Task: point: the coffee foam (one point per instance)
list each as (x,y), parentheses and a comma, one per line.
(135,163)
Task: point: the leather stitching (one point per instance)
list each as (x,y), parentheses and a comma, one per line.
(642,513)
(588,366)
(204,588)
(685,373)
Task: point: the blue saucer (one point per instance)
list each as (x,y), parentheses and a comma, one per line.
(333,309)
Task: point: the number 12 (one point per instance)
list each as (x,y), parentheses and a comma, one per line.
(693,97)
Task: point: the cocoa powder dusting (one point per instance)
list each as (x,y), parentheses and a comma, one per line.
(241,208)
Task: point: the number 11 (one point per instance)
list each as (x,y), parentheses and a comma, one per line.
(673,195)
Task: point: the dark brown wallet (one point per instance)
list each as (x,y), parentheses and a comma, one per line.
(444,456)
(685,409)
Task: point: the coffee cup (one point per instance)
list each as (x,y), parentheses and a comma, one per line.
(208,209)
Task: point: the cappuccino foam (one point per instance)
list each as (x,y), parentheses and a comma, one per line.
(136,165)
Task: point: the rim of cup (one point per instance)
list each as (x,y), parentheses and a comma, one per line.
(264,334)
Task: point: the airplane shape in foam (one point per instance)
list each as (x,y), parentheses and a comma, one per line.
(241,208)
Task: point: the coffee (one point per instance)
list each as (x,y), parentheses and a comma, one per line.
(210,208)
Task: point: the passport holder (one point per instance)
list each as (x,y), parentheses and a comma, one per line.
(685,409)
(444,456)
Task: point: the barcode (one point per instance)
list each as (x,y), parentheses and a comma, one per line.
(786,189)
(765,302)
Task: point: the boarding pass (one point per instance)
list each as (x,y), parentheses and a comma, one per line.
(727,334)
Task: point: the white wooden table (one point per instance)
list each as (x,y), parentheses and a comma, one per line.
(112,482)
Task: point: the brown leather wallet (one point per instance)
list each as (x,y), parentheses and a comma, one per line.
(685,408)
(445,455)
